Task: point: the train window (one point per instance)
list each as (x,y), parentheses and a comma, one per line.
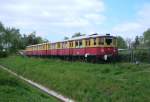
(94,41)
(53,46)
(58,45)
(71,44)
(63,45)
(80,43)
(76,43)
(66,45)
(49,46)
(108,41)
(101,41)
(87,42)
(41,47)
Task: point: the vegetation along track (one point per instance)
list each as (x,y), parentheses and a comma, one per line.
(44,89)
(86,82)
(12,89)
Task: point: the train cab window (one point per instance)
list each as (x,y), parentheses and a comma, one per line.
(101,41)
(109,41)
(94,41)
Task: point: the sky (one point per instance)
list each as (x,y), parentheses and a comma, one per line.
(54,19)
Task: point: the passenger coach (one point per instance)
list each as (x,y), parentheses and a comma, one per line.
(92,48)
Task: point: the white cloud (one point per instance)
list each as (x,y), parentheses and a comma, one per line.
(48,15)
(127,27)
(132,28)
(144,14)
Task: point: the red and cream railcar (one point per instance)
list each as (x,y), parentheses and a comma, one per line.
(86,47)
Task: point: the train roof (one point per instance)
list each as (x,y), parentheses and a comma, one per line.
(37,44)
(89,36)
(85,37)
(77,38)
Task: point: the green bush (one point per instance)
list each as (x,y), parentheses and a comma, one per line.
(142,55)
(3,54)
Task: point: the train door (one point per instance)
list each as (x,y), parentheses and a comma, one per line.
(70,48)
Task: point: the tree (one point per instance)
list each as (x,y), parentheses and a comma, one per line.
(121,43)
(32,39)
(136,42)
(129,43)
(12,40)
(77,35)
(1,35)
(66,38)
(146,35)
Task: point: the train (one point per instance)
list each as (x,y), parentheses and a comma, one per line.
(92,48)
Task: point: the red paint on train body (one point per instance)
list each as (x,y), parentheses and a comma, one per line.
(79,51)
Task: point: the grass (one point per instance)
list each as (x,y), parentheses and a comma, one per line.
(14,90)
(86,82)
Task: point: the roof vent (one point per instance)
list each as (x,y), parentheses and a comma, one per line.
(93,34)
(107,34)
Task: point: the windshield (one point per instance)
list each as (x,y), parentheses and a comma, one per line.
(108,41)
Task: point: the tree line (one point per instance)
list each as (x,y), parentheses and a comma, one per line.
(139,41)
(11,40)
